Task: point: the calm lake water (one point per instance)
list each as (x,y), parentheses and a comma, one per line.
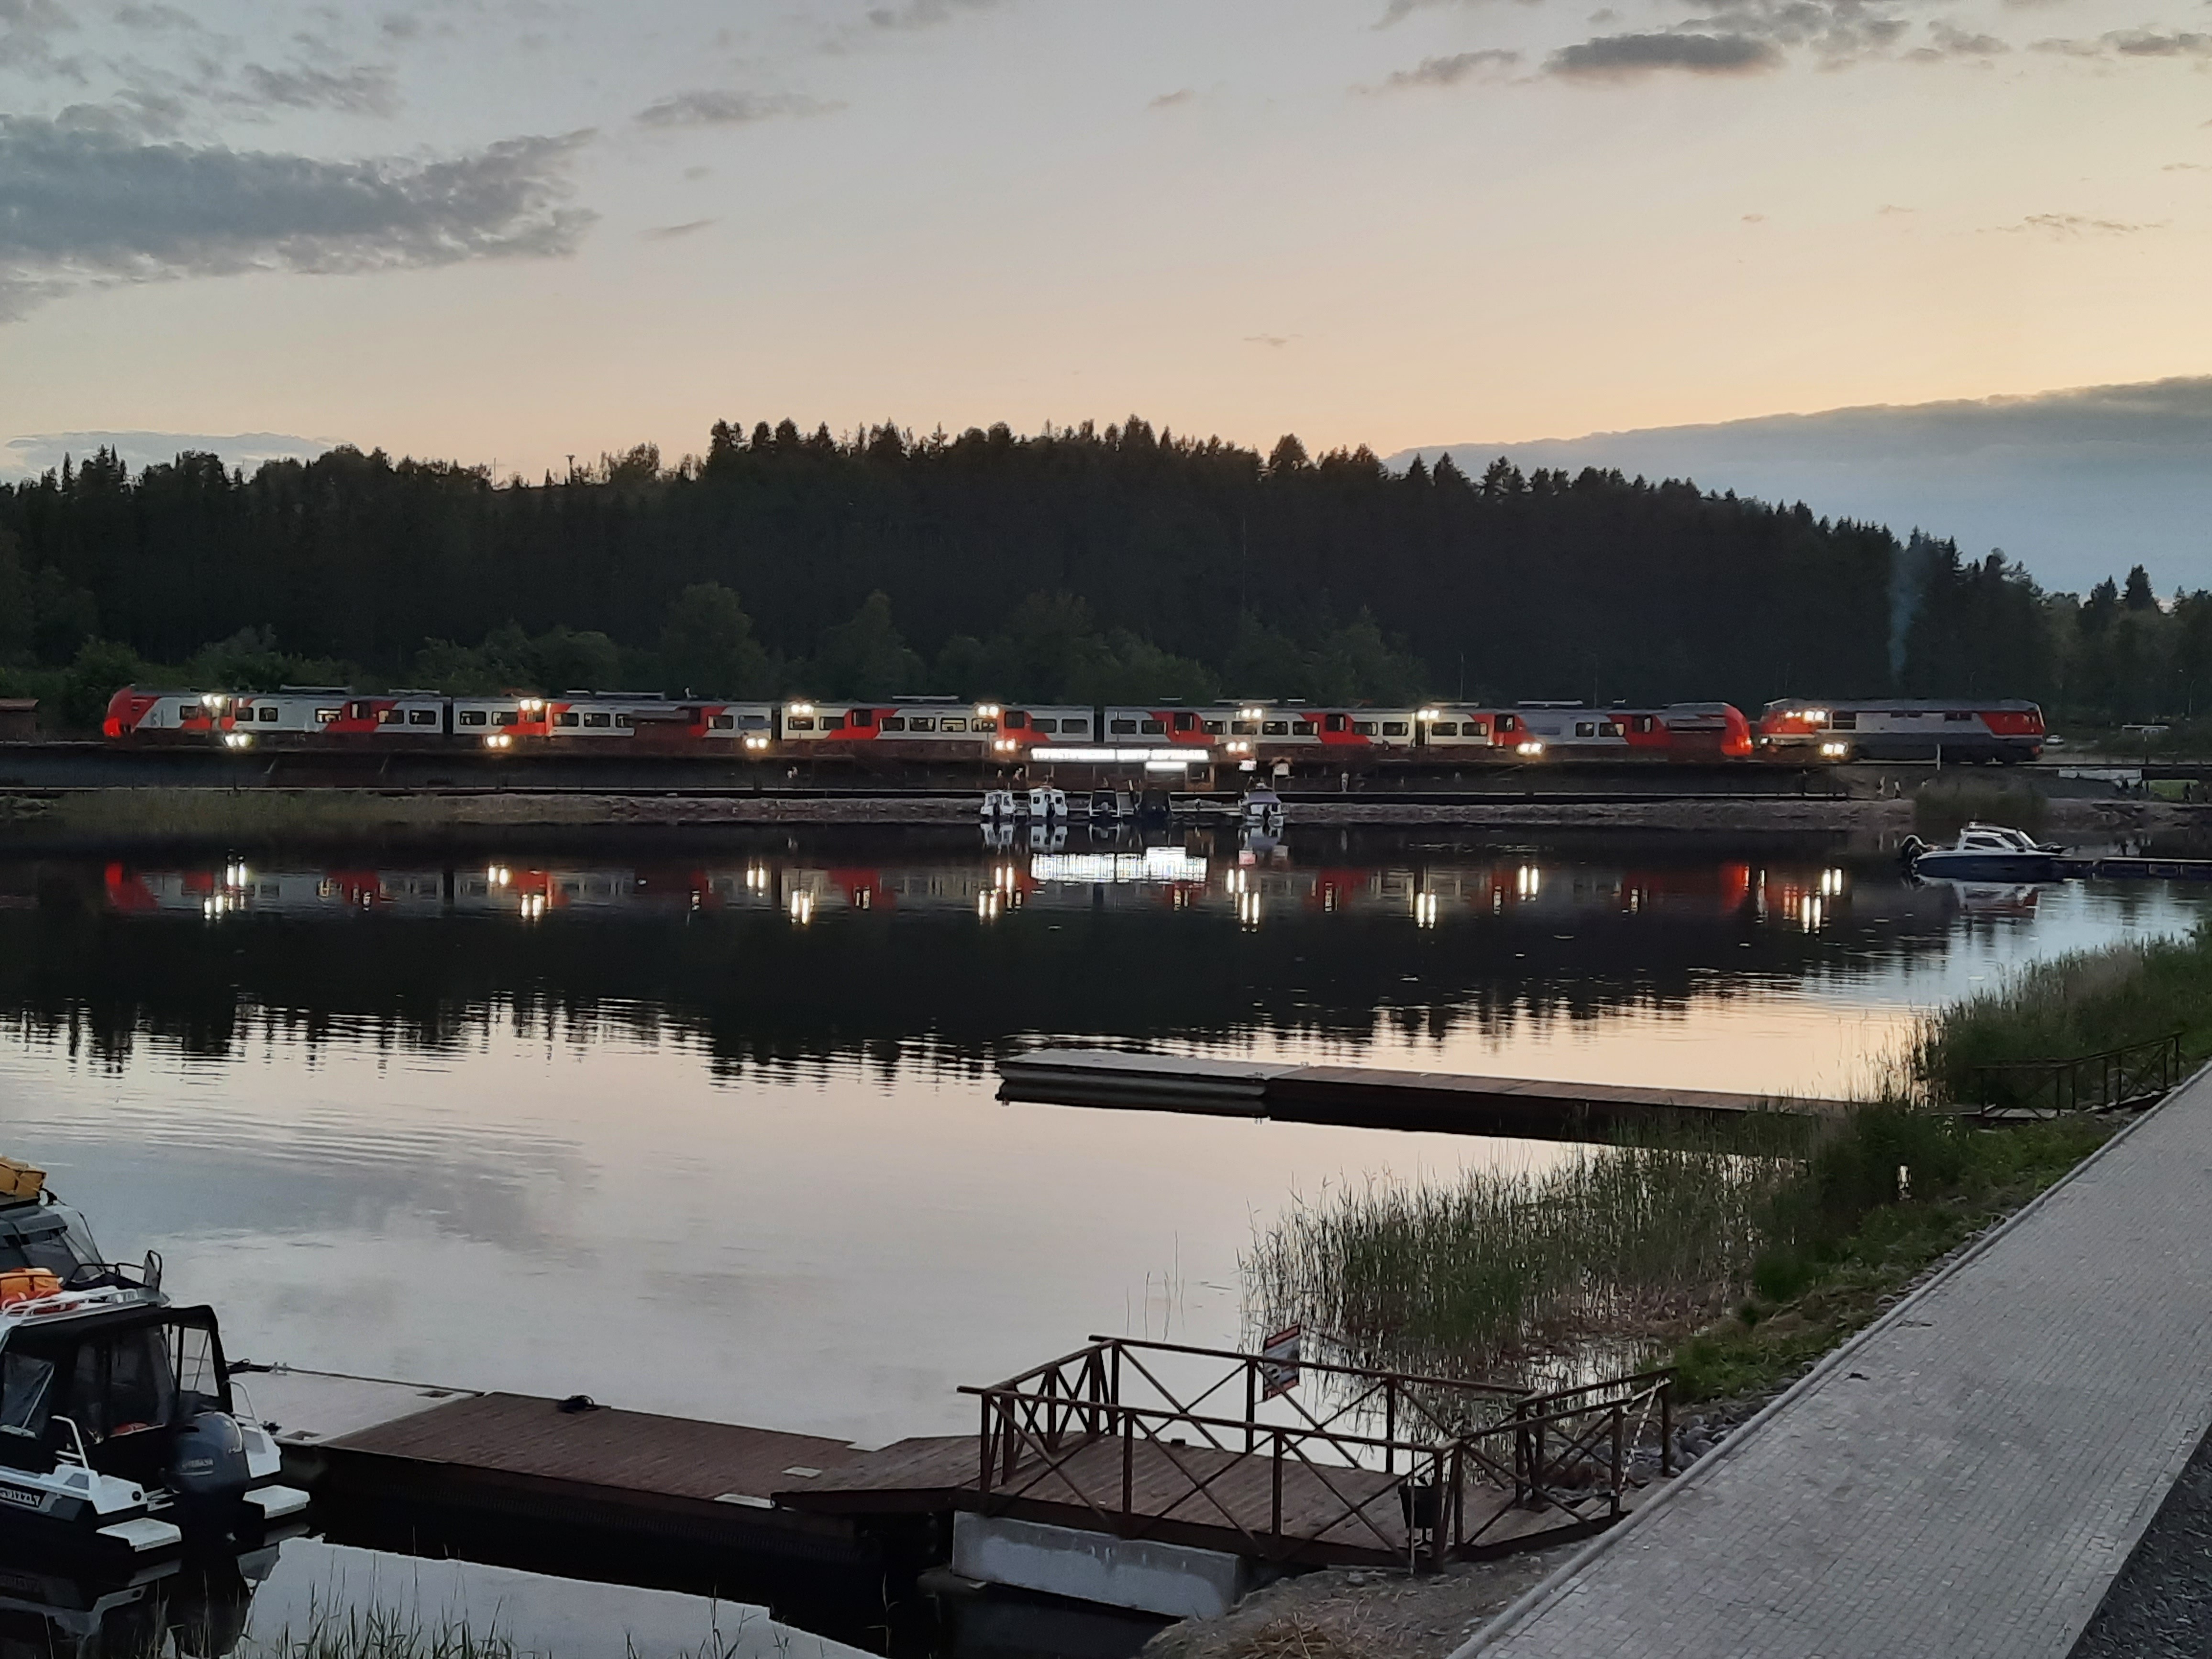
(710,1127)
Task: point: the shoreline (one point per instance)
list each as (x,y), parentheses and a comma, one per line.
(159,813)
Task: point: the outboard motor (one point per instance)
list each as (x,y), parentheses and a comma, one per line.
(208,1470)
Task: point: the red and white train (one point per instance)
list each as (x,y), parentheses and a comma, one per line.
(924,729)
(1902,729)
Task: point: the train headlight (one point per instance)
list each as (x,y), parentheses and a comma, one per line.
(986,711)
(1530,748)
(1835,750)
(1251,713)
(1815,717)
(1430,714)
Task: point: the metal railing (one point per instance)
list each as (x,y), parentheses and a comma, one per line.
(1391,1466)
(2137,1072)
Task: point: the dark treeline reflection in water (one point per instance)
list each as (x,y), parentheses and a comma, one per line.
(940,949)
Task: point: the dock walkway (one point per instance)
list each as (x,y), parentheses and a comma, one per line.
(1967,1477)
(1370,1097)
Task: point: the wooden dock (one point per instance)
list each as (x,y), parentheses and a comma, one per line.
(1364,1097)
(1372,1469)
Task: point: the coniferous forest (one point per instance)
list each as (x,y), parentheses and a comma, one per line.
(1082,565)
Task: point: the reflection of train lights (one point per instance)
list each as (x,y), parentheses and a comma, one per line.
(1248,909)
(1812,911)
(989,904)
(533,907)
(756,879)
(1237,881)
(1528,882)
(802,908)
(1424,909)
(1831,884)
(1154,864)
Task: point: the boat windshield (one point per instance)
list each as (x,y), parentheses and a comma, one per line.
(112,1377)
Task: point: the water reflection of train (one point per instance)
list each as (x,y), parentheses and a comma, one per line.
(1251,876)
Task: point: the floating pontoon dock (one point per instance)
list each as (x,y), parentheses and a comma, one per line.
(1372,1097)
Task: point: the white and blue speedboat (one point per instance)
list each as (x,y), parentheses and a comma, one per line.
(1985,852)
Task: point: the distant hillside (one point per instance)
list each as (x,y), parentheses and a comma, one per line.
(2074,484)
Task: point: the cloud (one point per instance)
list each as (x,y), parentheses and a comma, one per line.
(1889,210)
(28,30)
(2072,227)
(1275,341)
(1450,71)
(1171,99)
(1754,218)
(84,207)
(363,89)
(2132,42)
(670,233)
(1947,42)
(1617,57)
(926,13)
(718,108)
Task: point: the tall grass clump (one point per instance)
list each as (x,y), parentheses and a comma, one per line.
(2070,1006)
(1942,806)
(1506,1274)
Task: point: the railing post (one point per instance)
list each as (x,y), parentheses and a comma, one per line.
(1128,1462)
(1666,1426)
(1275,1516)
(983,1481)
(1618,1424)
(1389,1426)
(1251,1405)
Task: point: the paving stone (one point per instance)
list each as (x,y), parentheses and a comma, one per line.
(1971,1479)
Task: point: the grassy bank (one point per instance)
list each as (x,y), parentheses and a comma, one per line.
(1740,1265)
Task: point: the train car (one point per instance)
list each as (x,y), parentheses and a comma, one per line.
(138,716)
(931,728)
(1681,731)
(1274,731)
(1459,731)
(588,720)
(2000,729)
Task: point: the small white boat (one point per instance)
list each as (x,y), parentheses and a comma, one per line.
(1985,852)
(1262,807)
(999,806)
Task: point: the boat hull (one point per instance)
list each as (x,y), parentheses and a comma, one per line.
(1941,864)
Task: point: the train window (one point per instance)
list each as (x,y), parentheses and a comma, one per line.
(598,720)
(1124,728)
(567,717)
(1044,726)
(982,726)
(956,723)
(833,722)
(861,716)
(1958,715)
(754,722)
(1362,728)
(1215,728)
(1436,728)
(390,716)
(719,722)
(1607,729)
(1336,723)
(268,713)
(897,723)
(506,717)
(472,717)
(1275,729)
(1643,723)
(623,720)
(1585,728)
(1016,720)
(1474,729)
(1155,728)
(1075,728)
(1186,722)
(1844,722)
(1244,728)
(923,723)
(799,723)
(325,716)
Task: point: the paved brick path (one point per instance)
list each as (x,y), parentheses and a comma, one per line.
(1964,1480)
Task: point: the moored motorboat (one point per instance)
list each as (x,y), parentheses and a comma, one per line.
(118,1433)
(1985,852)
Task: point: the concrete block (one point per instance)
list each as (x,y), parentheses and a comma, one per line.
(1172,1580)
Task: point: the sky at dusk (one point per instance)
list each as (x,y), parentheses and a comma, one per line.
(512,230)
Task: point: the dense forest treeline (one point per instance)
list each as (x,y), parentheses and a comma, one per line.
(1079,564)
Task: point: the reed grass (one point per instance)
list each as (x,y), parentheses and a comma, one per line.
(1941,806)
(1505,1274)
